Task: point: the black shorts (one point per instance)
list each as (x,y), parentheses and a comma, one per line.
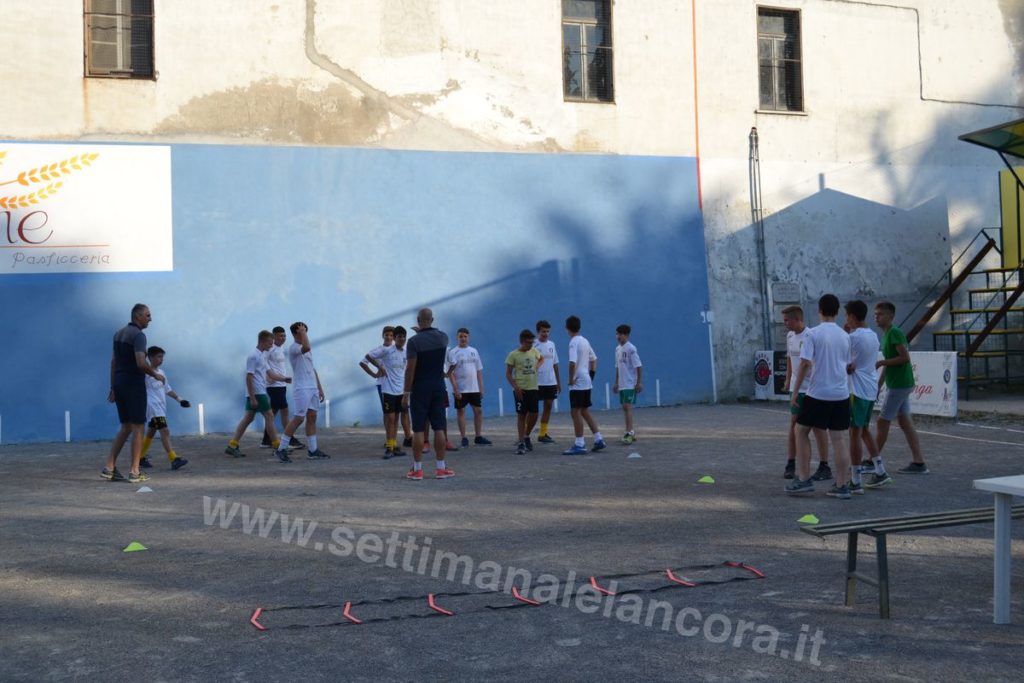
(831,415)
(548,393)
(159,422)
(428,407)
(579,398)
(527,403)
(390,403)
(130,398)
(278,398)
(472,399)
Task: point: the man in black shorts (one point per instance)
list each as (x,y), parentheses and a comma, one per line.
(827,403)
(424,391)
(128,370)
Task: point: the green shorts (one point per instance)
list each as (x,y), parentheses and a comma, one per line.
(262,404)
(799,403)
(627,396)
(860,412)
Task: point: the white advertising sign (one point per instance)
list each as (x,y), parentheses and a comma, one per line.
(935,390)
(85,208)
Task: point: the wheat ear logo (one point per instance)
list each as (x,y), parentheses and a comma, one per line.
(50,174)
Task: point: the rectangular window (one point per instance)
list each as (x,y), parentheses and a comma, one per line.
(119,38)
(587,50)
(778,53)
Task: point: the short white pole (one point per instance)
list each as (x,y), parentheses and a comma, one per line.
(67,426)
(657,392)
(556,405)
(202,421)
(327,413)
(1,429)
(501,402)
(607,396)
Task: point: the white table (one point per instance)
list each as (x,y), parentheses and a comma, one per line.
(1004,488)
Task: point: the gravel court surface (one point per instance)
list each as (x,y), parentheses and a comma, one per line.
(76,606)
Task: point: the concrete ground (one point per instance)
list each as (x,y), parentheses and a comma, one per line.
(75,606)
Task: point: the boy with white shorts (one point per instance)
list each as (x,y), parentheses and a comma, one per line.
(307,393)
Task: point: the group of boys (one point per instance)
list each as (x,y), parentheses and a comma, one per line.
(834,381)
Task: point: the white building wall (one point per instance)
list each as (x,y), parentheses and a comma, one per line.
(874,159)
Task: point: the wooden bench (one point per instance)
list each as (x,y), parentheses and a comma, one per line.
(879,528)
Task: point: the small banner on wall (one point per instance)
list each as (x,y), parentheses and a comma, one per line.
(934,374)
(85,208)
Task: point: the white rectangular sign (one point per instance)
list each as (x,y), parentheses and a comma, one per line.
(935,384)
(85,208)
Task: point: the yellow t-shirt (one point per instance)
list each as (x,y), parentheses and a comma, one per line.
(524,367)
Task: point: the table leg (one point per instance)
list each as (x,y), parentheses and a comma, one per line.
(851,568)
(1001,587)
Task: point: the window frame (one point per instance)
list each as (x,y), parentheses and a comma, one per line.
(583,24)
(798,13)
(117,74)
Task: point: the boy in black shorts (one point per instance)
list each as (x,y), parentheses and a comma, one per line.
(521,372)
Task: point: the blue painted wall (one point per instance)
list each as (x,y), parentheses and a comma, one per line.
(348,240)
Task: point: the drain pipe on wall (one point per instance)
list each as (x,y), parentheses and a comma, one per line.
(757,219)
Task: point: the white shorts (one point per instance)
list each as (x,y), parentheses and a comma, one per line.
(306,400)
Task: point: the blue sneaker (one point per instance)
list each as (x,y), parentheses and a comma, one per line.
(599,446)
(575,450)
(798,487)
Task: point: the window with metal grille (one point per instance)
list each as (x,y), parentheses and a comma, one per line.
(778,52)
(119,38)
(587,50)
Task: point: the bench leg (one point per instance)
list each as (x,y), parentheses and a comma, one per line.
(851,568)
(883,576)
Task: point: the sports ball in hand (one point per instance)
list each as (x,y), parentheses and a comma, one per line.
(185,404)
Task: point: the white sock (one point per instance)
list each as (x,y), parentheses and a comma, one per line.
(417,466)
(311,443)
(441,465)
(580,442)
(598,437)
(879,467)
(855,474)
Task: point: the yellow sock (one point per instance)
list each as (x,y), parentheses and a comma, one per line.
(233,443)
(276,444)
(171,455)
(392,443)
(146,441)
(543,429)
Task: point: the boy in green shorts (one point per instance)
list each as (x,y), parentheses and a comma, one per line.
(257,401)
(628,378)
(521,372)
(864,388)
(156,410)
(898,375)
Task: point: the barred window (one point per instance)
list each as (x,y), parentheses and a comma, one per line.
(778,52)
(587,50)
(119,38)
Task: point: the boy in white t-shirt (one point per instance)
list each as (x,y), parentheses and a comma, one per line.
(549,380)
(390,362)
(793,319)
(466,374)
(582,366)
(277,390)
(257,373)
(629,373)
(377,373)
(864,347)
(308,394)
(156,410)
(827,403)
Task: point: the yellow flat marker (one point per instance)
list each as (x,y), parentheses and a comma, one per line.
(134,547)
(706,479)
(808,519)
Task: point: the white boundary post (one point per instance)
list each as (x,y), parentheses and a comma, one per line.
(501,402)
(67,426)
(607,396)
(327,413)
(202,420)
(1,428)
(657,392)
(555,406)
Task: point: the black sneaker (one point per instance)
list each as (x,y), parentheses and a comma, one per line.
(408,442)
(545,439)
(388,454)
(397,453)
(914,468)
(137,478)
(875,481)
(520,448)
(316,455)
(465,442)
(145,463)
(841,492)
(529,446)
(790,469)
(482,441)
(824,472)
(266,442)
(112,475)
(178,463)
(282,456)
(295,443)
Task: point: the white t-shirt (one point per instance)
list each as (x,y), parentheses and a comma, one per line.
(466,362)
(581,353)
(156,396)
(277,362)
(256,365)
(376,354)
(794,342)
(546,372)
(627,360)
(863,354)
(393,362)
(303,374)
(828,347)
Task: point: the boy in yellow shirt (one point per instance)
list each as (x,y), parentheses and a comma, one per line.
(521,372)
